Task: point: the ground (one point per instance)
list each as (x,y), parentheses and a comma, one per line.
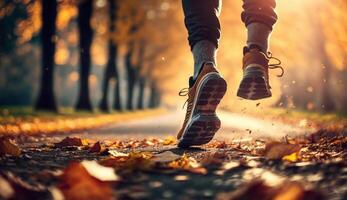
(250,158)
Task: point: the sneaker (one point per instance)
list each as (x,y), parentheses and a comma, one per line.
(255,82)
(204,95)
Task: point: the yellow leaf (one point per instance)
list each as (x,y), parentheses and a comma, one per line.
(170,141)
(291,158)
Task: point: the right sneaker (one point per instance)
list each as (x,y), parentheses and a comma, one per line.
(204,94)
(255,82)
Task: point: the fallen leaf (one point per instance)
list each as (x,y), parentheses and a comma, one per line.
(213,158)
(6,190)
(170,141)
(9,147)
(13,187)
(97,148)
(133,161)
(72,141)
(277,150)
(77,183)
(115,153)
(100,172)
(165,157)
(291,158)
(217,144)
(188,164)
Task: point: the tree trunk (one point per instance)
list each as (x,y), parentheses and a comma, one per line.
(141,97)
(153,97)
(109,73)
(111,67)
(46,100)
(157,99)
(132,78)
(117,105)
(85,10)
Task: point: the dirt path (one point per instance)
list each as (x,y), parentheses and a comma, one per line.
(234,126)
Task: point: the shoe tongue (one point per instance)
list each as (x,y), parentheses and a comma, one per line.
(191,82)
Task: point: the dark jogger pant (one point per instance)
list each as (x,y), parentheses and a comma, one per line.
(201,17)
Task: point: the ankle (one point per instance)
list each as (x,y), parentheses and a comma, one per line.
(203,52)
(258,35)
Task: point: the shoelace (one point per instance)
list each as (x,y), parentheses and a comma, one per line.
(275,65)
(185,92)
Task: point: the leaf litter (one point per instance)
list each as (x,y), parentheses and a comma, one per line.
(250,164)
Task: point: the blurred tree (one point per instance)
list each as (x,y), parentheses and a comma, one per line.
(141,77)
(85,10)
(134,19)
(111,70)
(132,75)
(46,99)
(10,13)
(155,95)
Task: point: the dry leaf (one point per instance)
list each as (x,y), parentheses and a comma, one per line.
(115,153)
(277,150)
(292,157)
(72,141)
(6,190)
(165,157)
(9,147)
(134,160)
(13,187)
(77,183)
(187,163)
(100,172)
(97,148)
(170,141)
(213,158)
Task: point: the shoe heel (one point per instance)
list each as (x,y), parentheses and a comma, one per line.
(200,130)
(254,85)
(211,93)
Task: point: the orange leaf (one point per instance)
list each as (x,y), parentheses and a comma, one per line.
(77,184)
(277,150)
(71,141)
(97,148)
(9,147)
(12,187)
(134,160)
(170,141)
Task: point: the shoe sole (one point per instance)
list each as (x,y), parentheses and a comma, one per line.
(254,85)
(204,122)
